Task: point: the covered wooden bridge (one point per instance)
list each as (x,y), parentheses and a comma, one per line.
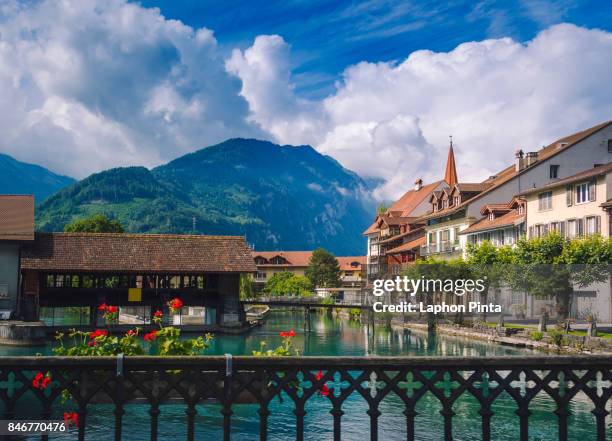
(139,273)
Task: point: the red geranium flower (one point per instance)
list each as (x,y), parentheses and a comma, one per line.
(41,381)
(151,336)
(175,304)
(98,333)
(112,309)
(131,332)
(71,418)
(291,333)
(158,314)
(102,307)
(285,334)
(324,389)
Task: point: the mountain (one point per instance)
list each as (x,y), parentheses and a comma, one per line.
(280,197)
(21,178)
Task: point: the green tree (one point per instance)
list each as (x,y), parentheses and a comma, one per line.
(98,223)
(323,269)
(488,263)
(287,283)
(549,266)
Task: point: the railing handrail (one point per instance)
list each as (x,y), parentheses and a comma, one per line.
(531,361)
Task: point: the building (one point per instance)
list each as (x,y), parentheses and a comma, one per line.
(577,205)
(139,273)
(16,230)
(502,224)
(394,238)
(458,206)
(352,268)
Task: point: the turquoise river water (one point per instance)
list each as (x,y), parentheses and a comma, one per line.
(338,336)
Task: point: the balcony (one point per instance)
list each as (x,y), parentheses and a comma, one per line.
(222,384)
(444,247)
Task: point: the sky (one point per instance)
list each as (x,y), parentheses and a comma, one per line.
(379,85)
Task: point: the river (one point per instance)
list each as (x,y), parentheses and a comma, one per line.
(338,336)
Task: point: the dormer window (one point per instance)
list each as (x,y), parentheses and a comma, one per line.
(491,216)
(521,209)
(445,203)
(456,200)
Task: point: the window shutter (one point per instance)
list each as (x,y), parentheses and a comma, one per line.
(569,195)
(562,228)
(598,224)
(592,187)
(530,232)
(579,227)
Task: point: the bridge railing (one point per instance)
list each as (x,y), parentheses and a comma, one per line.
(228,383)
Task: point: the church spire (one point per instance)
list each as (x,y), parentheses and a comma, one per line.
(450,176)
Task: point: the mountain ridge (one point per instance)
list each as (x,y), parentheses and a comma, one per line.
(280,197)
(19,177)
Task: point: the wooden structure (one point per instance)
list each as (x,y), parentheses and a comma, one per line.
(83,269)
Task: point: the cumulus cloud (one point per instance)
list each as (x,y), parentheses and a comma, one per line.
(90,84)
(392,120)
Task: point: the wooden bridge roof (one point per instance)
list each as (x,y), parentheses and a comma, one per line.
(111,252)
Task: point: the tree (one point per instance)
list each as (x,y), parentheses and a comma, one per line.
(98,223)
(287,283)
(549,266)
(323,269)
(488,263)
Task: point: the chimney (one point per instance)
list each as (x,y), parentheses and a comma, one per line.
(520,162)
(532,158)
(418,184)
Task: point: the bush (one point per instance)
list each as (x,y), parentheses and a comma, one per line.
(556,337)
(537,335)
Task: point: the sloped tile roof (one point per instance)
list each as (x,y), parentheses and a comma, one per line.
(111,252)
(484,224)
(416,243)
(294,258)
(16,218)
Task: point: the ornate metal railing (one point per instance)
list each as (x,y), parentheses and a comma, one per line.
(231,382)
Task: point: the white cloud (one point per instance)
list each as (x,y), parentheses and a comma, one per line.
(91,84)
(392,120)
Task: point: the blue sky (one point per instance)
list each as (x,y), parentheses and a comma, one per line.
(378,85)
(327,36)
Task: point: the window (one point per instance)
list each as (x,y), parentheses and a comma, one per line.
(554,171)
(456,200)
(491,216)
(260,275)
(545,201)
(609,145)
(592,225)
(432,237)
(582,193)
(456,235)
(521,209)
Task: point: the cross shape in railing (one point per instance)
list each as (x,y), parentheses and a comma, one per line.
(410,384)
(337,384)
(373,384)
(599,383)
(485,385)
(11,384)
(302,384)
(522,383)
(447,385)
